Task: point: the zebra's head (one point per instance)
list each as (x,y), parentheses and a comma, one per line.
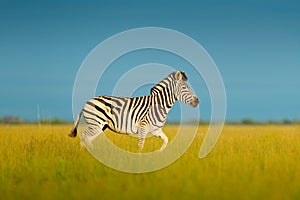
(182,90)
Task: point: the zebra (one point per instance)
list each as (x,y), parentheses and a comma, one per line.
(136,115)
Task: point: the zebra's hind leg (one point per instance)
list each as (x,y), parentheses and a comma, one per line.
(159,133)
(89,135)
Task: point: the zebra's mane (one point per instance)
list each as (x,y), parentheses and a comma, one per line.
(171,77)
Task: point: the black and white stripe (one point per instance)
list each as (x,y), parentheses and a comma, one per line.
(138,115)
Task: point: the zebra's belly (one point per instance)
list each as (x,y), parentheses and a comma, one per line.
(127,122)
(125,129)
(131,127)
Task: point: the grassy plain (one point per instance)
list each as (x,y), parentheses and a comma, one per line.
(248,162)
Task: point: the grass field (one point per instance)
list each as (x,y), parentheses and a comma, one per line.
(248,162)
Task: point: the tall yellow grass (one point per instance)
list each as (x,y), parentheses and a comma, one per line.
(248,162)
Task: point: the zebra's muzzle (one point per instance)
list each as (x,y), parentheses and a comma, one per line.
(195,102)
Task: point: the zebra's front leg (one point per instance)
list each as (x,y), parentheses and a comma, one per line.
(141,138)
(159,133)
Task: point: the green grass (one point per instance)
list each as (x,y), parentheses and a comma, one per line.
(248,162)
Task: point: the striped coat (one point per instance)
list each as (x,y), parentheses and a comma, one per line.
(138,115)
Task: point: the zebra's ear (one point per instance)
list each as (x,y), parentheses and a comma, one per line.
(184,77)
(181,76)
(178,75)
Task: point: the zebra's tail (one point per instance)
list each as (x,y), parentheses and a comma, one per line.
(73,132)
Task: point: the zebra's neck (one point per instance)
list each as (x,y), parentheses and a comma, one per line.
(163,99)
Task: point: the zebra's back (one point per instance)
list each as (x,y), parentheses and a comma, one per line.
(120,114)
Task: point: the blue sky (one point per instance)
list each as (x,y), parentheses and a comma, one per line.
(255,44)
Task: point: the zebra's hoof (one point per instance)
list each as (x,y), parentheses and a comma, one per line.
(161,149)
